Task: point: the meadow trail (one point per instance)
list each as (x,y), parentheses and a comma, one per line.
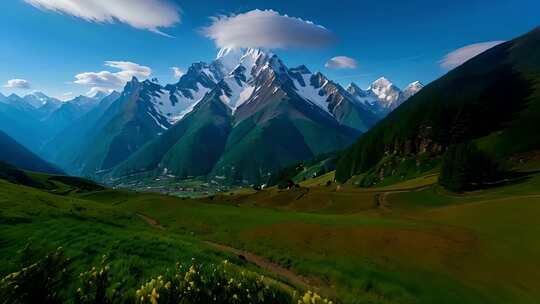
(250,257)
(151,221)
(265,264)
(381,199)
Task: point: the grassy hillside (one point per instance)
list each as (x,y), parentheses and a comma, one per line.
(411,242)
(280,134)
(51,212)
(494,98)
(17,155)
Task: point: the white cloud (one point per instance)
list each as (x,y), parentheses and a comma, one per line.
(96,90)
(17,84)
(266,29)
(461,55)
(141,14)
(341,62)
(106,81)
(65,96)
(177,72)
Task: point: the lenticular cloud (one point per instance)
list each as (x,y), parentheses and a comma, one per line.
(341,62)
(141,14)
(461,55)
(17,84)
(266,29)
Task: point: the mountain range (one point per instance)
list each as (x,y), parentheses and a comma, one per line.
(235,119)
(36,118)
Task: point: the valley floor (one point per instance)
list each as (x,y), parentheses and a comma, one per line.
(411,242)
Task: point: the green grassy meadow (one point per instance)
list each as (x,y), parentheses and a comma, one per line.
(410,242)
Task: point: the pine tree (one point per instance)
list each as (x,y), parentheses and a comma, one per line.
(465,167)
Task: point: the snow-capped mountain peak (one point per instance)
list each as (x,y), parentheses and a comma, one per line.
(382,95)
(412,89)
(414,86)
(302,69)
(381,86)
(229,57)
(99,95)
(40,101)
(354,89)
(381,82)
(388,94)
(365,97)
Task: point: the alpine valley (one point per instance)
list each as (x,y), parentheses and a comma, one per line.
(248,181)
(235,120)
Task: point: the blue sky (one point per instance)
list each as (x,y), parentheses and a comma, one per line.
(402,40)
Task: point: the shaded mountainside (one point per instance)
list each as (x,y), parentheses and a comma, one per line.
(64,146)
(143,111)
(17,155)
(35,119)
(277,128)
(24,128)
(127,125)
(493,98)
(189,148)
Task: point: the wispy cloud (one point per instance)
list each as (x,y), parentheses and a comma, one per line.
(106,81)
(266,29)
(177,72)
(341,62)
(17,84)
(461,55)
(149,15)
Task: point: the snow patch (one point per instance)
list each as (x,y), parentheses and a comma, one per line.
(312,94)
(174,111)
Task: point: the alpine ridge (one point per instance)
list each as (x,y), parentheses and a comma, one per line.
(246,102)
(260,108)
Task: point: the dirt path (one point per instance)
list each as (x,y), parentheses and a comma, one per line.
(266,265)
(381,199)
(150,221)
(248,256)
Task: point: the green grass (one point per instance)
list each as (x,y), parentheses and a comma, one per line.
(430,247)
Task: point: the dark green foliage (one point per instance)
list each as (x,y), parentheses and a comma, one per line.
(464,167)
(318,165)
(38,282)
(496,91)
(210,283)
(47,280)
(58,184)
(16,176)
(81,184)
(395,168)
(286,184)
(96,287)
